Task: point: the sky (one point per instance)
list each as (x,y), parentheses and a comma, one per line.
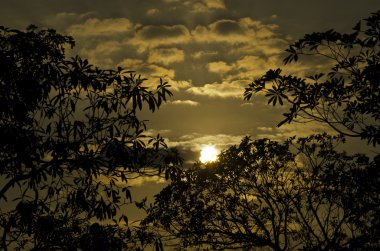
(208,50)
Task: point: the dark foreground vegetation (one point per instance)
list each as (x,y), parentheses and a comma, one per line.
(300,194)
(70,140)
(71,137)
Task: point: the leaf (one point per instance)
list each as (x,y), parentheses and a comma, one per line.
(280,101)
(128,194)
(357,27)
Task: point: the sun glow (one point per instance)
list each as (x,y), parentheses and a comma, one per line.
(208,154)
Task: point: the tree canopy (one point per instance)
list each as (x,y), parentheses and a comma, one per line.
(347,96)
(296,195)
(71,138)
(299,194)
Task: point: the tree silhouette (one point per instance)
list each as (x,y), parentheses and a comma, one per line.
(70,139)
(346,97)
(300,194)
(296,195)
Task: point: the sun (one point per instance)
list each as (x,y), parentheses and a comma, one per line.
(208,154)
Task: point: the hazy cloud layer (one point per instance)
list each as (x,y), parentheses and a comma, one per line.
(152,36)
(156,50)
(166,56)
(184,102)
(229,52)
(101,27)
(294,129)
(196,141)
(208,51)
(226,89)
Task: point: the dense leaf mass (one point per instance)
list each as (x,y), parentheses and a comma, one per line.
(70,139)
(296,195)
(299,194)
(346,97)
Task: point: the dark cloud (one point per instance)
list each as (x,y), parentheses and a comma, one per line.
(227,27)
(162,32)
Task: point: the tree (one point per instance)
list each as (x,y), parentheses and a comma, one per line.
(346,97)
(296,195)
(300,194)
(70,139)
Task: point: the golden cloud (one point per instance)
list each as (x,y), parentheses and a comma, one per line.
(151,36)
(296,129)
(265,129)
(166,56)
(207,5)
(219,67)
(140,181)
(241,31)
(65,19)
(215,4)
(226,89)
(101,55)
(101,27)
(146,69)
(196,141)
(177,85)
(154,72)
(200,54)
(249,67)
(184,102)
(152,12)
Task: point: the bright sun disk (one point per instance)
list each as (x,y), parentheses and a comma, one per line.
(208,154)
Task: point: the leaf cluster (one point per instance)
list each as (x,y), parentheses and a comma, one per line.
(284,196)
(71,138)
(347,96)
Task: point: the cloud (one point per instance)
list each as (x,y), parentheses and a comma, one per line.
(249,67)
(207,5)
(101,27)
(102,54)
(218,67)
(274,16)
(238,74)
(195,141)
(152,36)
(62,20)
(177,85)
(146,69)
(153,132)
(226,89)
(184,102)
(152,12)
(304,129)
(136,182)
(247,104)
(154,72)
(158,71)
(241,31)
(166,56)
(295,129)
(265,129)
(215,4)
(200,54)
(131,63)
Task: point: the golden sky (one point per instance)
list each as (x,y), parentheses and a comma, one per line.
(208,50)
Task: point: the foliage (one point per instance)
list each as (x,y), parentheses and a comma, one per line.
(70,139)
(300,194)
(346,97)
(296,195)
